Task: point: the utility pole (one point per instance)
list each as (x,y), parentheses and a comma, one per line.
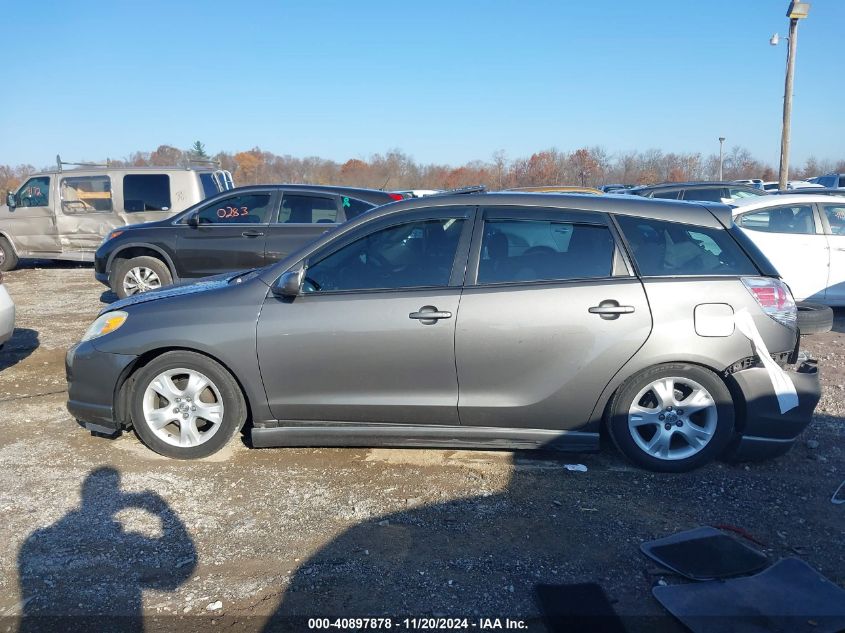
(721,154)
(797,11)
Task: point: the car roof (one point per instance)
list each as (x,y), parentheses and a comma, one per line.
(556,189)
(763,202)
(375,196)
(93,169)
(711,214)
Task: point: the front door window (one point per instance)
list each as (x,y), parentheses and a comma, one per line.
(253,208)
(410,255)
(35,192)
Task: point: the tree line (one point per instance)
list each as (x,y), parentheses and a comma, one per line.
(586,166)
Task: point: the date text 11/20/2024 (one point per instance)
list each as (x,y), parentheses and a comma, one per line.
(417,624)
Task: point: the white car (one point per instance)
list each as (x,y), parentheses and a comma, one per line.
(803,235)
(7,314)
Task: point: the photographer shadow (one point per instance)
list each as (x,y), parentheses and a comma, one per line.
(86,572)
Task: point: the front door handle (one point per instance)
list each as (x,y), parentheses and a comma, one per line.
(610,309)
(428,315)
(252,233)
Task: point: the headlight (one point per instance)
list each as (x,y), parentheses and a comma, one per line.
(108,322)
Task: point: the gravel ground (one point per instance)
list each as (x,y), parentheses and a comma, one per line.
(105,526)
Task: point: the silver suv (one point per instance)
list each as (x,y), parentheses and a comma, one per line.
(65,214)
(482,320)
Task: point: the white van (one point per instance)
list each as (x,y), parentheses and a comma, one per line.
(65,214)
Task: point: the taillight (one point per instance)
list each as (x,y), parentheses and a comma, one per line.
(396,196)
(774,298)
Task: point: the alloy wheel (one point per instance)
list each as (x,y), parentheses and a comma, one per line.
(140,279)
(183,407)
(672,418)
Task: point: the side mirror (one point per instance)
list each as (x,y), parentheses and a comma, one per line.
(11,200)
(290,283)
(194,219)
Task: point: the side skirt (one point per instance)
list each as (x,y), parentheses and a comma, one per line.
(318,434)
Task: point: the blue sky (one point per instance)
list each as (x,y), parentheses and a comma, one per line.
(445,81)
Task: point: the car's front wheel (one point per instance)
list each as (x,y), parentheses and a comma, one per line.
(672,418)
(140,274)
(186,405)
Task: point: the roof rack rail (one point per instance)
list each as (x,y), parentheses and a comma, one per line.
(461,190)
(204,161)
(60,162)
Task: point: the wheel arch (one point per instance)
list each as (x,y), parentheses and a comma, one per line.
(121,391)
(598,418)
(141,249)
(11,241)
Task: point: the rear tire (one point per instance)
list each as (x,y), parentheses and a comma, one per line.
(671,418)
(8,258)
(814,318)
(139,274)
(185,405)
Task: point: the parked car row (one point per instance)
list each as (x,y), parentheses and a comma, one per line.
(479,320)
(247,227)
(64,215)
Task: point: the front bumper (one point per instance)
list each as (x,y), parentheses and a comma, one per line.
(762,430)
(92,380)
(7,316)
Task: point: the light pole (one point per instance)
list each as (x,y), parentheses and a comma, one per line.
(721,154)
(797,11)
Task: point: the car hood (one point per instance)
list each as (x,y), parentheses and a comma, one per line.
(185,288)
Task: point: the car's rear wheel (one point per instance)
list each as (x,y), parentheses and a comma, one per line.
(140,274)
(672,418)
(186,405)
(8,258)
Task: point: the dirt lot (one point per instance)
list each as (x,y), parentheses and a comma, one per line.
(92,524)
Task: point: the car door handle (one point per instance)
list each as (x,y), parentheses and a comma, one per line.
(430,313)
(610,309)
(252,233)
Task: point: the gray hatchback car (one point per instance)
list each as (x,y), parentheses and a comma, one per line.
(480,320)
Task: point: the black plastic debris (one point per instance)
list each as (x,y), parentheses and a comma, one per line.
(705,553)
(788,597)
(578,607)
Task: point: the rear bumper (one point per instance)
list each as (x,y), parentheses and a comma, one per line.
(92,379)
(763,431)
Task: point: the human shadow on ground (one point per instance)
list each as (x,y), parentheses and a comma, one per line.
(86,572)
(23,343)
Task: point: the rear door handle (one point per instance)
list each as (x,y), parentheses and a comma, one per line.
(430,314)
(610,309)
(252,233)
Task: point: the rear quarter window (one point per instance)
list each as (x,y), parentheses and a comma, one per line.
(669,249)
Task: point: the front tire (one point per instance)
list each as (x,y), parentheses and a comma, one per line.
(8,258)
(672,418)
(140,274)
(185,405)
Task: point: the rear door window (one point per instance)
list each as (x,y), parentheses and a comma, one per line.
(306,209)
(835,218)
(541,250)
(667,195)
(146,192)
(797,219)
(663,248)
(735,193)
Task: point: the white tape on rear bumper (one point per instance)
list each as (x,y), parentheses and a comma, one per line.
(784,389)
